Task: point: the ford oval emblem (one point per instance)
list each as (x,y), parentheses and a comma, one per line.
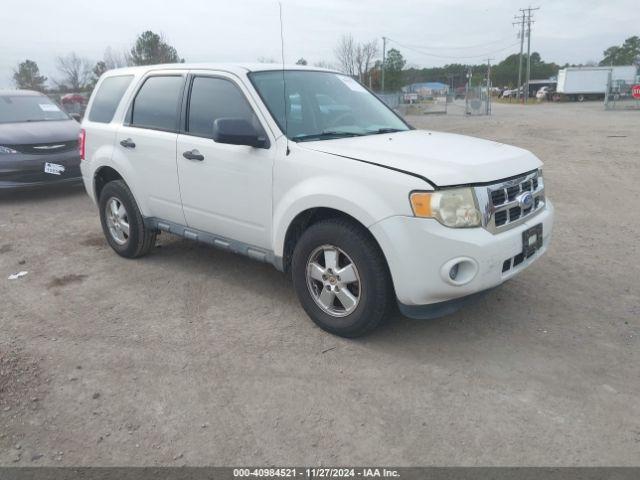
(526,200)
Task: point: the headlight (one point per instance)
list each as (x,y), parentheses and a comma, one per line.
(4,150)
(455,207)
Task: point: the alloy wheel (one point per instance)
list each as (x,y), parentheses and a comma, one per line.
(333,281)
(117,220)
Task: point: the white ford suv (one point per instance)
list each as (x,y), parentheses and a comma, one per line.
(307,170)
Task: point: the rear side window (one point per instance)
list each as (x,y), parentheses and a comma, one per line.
(213,98)
(108,98)
(156,105)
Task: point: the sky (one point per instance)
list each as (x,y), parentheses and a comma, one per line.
(427,32)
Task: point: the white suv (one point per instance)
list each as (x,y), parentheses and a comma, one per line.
(309,171)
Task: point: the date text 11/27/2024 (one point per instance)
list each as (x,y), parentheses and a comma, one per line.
(318,472)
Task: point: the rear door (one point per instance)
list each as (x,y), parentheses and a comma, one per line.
(148,142)
(227,190)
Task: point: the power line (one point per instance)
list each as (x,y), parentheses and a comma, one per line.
(468,47)
(422,52)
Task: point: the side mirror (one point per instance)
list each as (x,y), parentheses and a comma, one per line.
(238,131)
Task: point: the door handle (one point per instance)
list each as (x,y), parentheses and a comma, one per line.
(128,143)
(193,155)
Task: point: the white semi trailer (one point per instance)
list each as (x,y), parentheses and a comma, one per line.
(582,83)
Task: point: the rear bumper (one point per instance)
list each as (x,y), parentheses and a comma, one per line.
(420,253)
(23,171)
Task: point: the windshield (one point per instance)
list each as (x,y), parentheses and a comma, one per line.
(29,108)
(323,105)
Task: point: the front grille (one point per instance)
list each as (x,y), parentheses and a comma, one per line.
(46,148)
(507,204)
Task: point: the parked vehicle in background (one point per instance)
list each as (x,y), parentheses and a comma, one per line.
(38,141)
(74,104)
(362,210)
(507,92)
(512,93)
(545,93)
(590,83)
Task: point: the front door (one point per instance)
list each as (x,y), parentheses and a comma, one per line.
(226,189)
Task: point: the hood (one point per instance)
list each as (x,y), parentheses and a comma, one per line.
(442,158)
(27,133)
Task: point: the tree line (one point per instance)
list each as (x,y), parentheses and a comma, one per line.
(359,59)
(79,74)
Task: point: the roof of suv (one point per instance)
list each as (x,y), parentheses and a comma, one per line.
(227,67)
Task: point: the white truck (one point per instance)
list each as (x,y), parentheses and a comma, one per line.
(584,83)
(317,177)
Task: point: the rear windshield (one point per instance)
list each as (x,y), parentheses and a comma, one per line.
(108,97)
(29,108)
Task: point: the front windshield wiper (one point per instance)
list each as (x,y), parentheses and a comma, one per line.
(41,120)
(327,134)
(386,130)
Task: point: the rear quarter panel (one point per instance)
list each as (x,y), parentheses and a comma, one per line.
(100,148)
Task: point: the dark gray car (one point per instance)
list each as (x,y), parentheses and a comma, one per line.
(38,141)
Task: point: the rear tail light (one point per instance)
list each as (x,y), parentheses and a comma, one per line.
(82,137)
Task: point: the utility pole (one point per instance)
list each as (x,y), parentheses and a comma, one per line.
(488,103)
(525,18)
(520,22)
(466,91)
(384,61)
(529,22)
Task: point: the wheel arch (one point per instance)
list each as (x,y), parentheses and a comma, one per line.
(102,176)
(107,173)
(308,217)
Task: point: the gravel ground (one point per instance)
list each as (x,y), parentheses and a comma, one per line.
(196,356)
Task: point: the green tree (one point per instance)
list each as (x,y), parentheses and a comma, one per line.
(626,54)
(27,76)
(151,48)
(99,68)
(301,61)
(505,73)
(394,64)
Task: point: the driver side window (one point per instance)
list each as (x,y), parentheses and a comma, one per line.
(212,98)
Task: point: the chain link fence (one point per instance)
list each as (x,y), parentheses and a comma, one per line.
(477,101)
(472,101)
(412,104)
(622,93)
(392,100)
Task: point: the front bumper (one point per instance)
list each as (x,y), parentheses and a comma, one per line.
(23,170)
(420,252)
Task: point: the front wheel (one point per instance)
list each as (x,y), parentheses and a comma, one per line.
(341,278)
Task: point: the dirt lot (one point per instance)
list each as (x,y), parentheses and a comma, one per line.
(195,356)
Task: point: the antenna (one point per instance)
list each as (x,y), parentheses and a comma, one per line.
(284,82)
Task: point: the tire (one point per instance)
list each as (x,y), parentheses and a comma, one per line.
(581,98)
(373,289)
(132,242)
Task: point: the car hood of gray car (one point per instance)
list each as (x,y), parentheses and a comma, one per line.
(29,133)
